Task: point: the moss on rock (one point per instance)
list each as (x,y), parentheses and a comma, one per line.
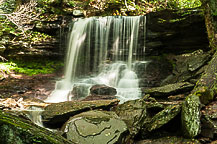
(190,116)
(57,114)
(163,117)
(15,129)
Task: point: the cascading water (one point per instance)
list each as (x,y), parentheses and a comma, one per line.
(104,45)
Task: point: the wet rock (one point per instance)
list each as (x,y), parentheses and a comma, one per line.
(14,129)
(170,139)
(163,117)
(152,71)
(190,116)
(169,89)
(133,113)
(80,90)
(58,113)
(102,90)
(95,127)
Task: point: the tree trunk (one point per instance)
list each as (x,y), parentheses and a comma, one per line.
(210,11)
(206,88)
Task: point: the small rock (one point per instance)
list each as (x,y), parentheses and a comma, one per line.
(102,90)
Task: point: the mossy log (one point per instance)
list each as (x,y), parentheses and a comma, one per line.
(206,87)
(14,129)
(210,11)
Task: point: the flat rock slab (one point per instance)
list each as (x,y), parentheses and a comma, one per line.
(169,89)
(14,129)
(57,114)
(163,117)
(95,127)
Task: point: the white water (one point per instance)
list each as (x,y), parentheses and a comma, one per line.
(34,114)
(92,43)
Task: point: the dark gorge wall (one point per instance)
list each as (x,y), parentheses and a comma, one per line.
(171,39)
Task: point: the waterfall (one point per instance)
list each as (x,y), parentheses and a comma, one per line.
(102,49)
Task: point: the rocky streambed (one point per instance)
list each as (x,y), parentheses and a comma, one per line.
(165,114)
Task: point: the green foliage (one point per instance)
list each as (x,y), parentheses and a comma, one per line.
(143,6)
(213,5)
(7,6)
(184,4)
(32,67)
(8,27)
(38,36)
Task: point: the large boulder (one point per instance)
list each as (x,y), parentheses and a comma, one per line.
(14,129)
(133,113)
(169,89)
(95,127)
(190,116)
(56,114)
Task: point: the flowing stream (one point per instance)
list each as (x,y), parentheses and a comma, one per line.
(102,50)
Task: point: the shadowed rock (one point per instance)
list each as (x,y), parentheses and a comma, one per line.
(169,140)
(95,127)
(163,117)
(209,121)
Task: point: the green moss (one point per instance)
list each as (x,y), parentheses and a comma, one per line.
(13,128)
(190,116)
(32,67)
(205,94)
(163,117)
(213,5)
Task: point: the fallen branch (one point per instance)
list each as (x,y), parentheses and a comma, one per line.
(24,16)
